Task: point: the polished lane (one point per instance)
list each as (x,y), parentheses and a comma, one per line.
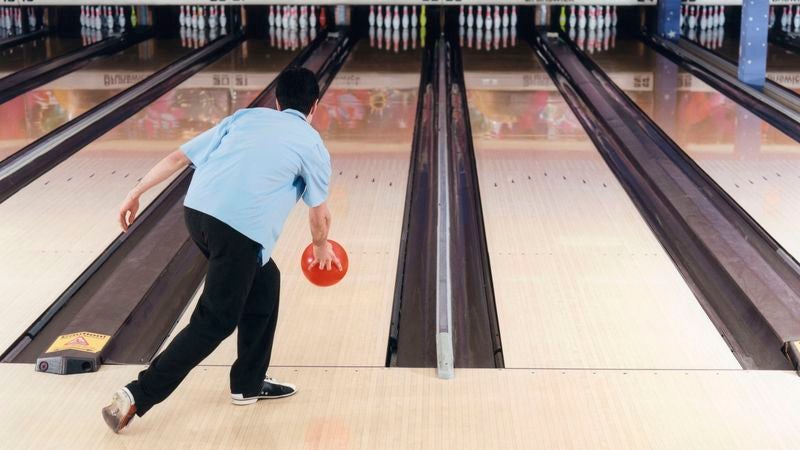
(756,164)
(33,114)
(366,120)
(56,226)
(35,51)
(580,280)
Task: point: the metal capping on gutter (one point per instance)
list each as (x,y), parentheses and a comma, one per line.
(47,70)
(35,159)
(756,309)
(777,114)
(444,299)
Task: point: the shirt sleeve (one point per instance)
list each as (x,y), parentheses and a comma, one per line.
(316,173)
(199,148)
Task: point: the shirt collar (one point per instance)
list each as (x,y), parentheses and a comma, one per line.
(295,113)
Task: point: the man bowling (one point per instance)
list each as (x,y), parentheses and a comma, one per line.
(250,171)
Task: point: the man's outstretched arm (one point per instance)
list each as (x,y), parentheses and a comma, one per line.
(319,219)
(175,161)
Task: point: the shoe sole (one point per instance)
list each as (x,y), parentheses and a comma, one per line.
(110,419)
(251,400)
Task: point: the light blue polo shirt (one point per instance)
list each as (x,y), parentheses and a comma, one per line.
(252,168)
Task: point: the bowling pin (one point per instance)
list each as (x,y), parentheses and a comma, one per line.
(692,19)
(404,19)
(722,15)
(201,20)
(270,16)
(497,20)
(506,19)
(323,18)
(213,21)
(771,16)
(785,17)
(121,17)
(413,17)
(379,17)
(396,18)
(82,17)
(614,17)
(470,17)
(608,17)
(109,18)
(703,19)
(423,20)
(562,18)
(223,21)
(461,19)
(796,18)
(371,17)
(572,19)
(592,18)
(581,17)
(488,21)
(182,16)
(479,19)
(513,18)
(303,18)
(312,20)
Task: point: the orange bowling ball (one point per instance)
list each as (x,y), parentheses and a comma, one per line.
(322,277)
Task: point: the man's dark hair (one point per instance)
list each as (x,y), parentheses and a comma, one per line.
(297,89)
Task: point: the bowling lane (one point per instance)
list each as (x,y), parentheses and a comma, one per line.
(366,119)
(55,227)
(580,281)
(35,113)
(35,51)
(756,164)
(783,65)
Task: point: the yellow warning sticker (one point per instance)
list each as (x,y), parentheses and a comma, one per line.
(83,341)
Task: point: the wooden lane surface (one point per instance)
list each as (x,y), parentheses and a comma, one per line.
(380,408)
(580,280)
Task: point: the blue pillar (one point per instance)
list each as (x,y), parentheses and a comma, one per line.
(669,19)
(753,42)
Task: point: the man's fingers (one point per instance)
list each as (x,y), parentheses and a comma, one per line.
(122,220)
(328,265)
(338,264)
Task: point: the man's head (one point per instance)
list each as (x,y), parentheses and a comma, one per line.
(297,89)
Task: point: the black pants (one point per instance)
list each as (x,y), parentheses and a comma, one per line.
(238,292)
